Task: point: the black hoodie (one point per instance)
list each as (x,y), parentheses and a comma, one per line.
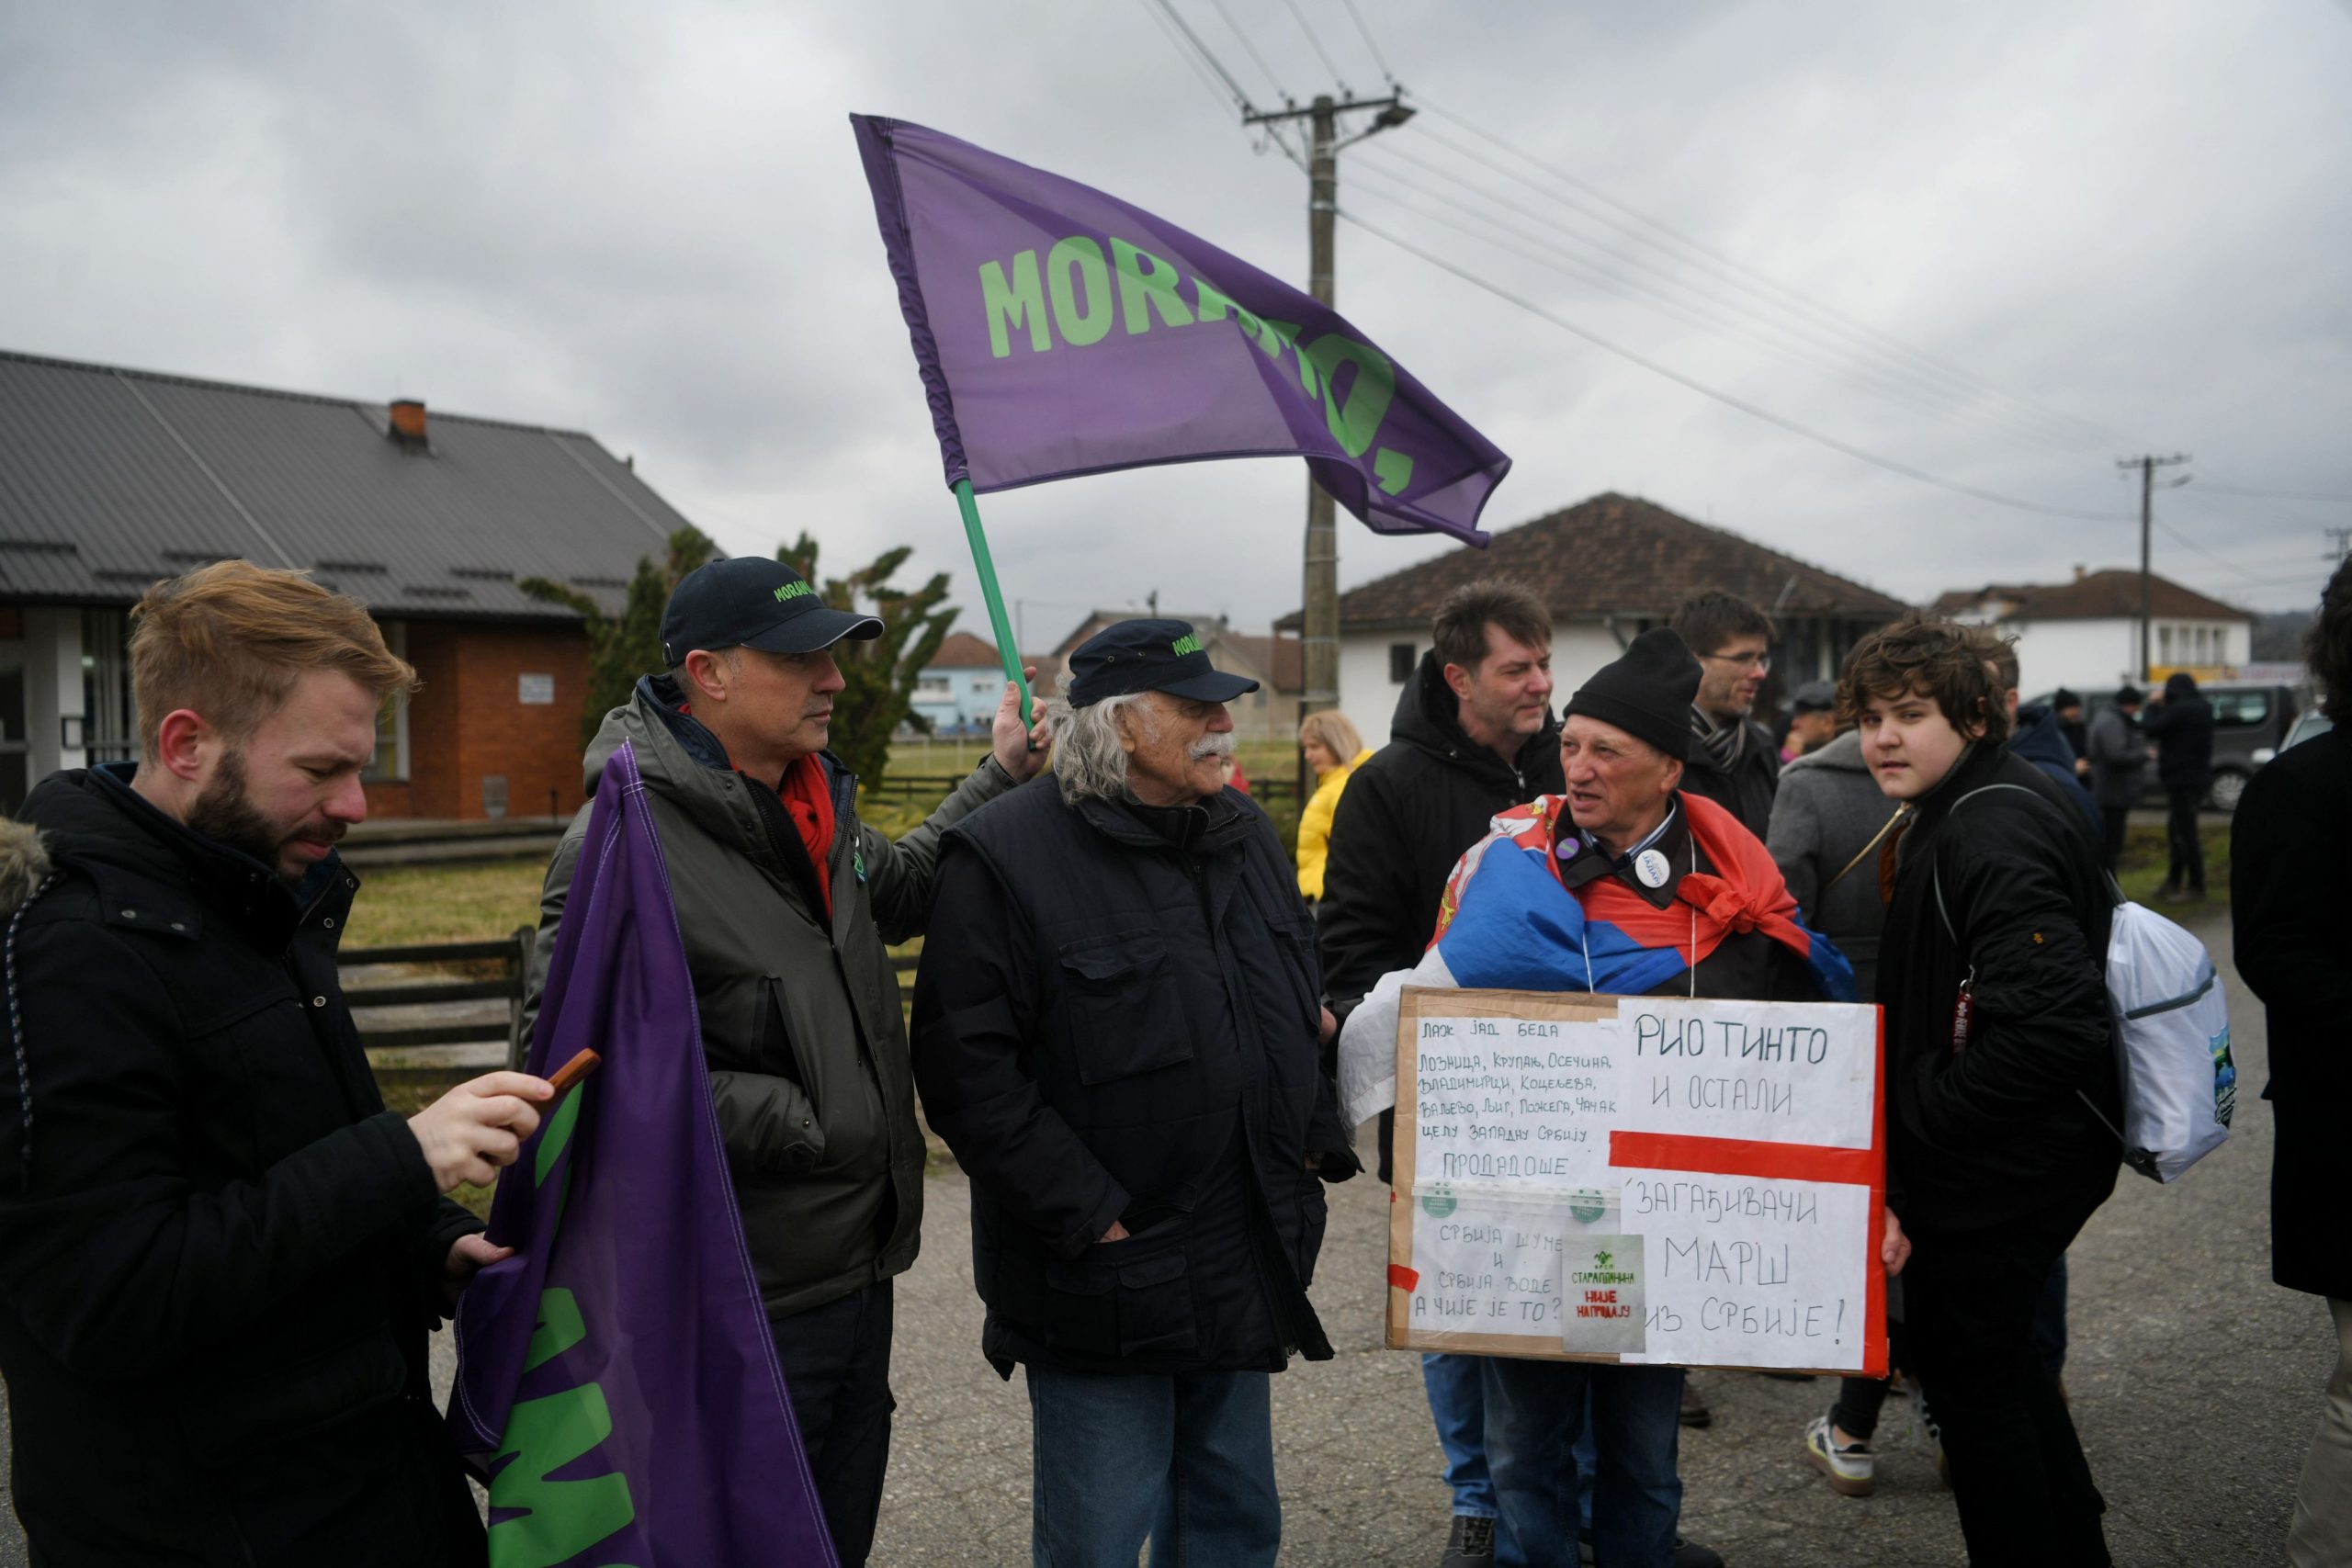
(2182,728)
(1405,819)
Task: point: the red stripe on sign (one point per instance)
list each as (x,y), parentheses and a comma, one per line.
(1403,1278)
(1743,1156)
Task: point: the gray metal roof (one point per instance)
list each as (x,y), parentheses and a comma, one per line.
(111,478)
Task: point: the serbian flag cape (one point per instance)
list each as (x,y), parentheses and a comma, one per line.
(617,1389)
(1506,923)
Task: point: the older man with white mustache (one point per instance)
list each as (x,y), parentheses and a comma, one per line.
(1117,1031)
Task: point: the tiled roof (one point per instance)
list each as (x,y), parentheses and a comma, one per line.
(111,478)
(962,651)
(2094,596)
(1615,555)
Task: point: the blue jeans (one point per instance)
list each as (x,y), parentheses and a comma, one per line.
(1535,1413)
(1458,1405)
(1186,1462)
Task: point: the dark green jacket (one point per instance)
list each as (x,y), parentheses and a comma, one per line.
(801,1024)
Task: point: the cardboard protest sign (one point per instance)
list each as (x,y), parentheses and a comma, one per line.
(1639,1178)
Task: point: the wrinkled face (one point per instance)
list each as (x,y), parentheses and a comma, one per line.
(1808,730)
(1177,749)
(286,792)
(1319,759)
(1506,693)
(1910,744)
(1618,784)
(784,700)
(1729,677)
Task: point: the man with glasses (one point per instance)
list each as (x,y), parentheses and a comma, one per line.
(1733,761)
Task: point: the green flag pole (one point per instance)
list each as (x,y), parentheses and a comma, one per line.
(1006,652)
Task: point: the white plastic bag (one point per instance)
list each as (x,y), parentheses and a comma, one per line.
(2172,1043)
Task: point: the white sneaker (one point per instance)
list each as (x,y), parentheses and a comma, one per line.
(1850,1470)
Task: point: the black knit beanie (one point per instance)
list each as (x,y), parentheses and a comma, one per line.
(1646,692)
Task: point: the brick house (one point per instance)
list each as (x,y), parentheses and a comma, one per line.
(1608,568)
(111,479)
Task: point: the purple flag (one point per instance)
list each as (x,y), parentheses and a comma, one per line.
(617,1384)
(1062,332)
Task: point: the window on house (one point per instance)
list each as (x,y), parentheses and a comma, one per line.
(2164,645)
(109,718)
(1401,659)
(390,765)
(933,689)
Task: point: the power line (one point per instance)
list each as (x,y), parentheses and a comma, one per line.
(1316,44)
(1192,59)
(1742,404)
(1741,273)
(1251,49)
(1365,33)
(2277,494)
(1826,357)
(1188,43)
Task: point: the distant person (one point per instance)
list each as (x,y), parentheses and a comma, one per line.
(1813,720)
(1115,1033)
(2119,757)
(2036,733)
(2067,707)
(1473,735)
(1736,764)
(1996,1156)
(220,1254)
(2290,859)
(1229,769)
(1333,750)
(2181,723)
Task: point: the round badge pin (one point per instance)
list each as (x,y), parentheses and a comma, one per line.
(1651,867)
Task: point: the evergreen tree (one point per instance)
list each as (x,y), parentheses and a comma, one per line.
(622,648)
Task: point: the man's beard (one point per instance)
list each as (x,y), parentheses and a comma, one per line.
(224,814)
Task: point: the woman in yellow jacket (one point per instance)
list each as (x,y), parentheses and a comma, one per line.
(1333,750)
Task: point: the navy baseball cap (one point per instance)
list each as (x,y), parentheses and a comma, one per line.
(1815,697)
(1149,656)
(751,601)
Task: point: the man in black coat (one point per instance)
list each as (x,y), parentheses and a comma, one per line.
(1118,1032)
(2181,723)
(1734,762)
(2000,1061)
(220,1254)
(1473,736)
(2290,859)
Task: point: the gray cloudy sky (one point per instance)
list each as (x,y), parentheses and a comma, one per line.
(2126,224)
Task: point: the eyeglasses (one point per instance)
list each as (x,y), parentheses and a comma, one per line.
(1761,662)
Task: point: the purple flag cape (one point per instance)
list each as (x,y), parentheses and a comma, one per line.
(617,1385)
(1062,332)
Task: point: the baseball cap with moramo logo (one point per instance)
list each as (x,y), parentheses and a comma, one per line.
(1149,656)
(751,601)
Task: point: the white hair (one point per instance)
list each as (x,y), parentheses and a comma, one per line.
(1088,757)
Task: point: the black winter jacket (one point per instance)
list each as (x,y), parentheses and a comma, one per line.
(2040,740)
(1745,788)
(218,1250)
(1984,1135)
(1407,815)
(1116,1020)
(2290,859)
(2182,728)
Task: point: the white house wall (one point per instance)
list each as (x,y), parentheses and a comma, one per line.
(2096,656)
(1369,697)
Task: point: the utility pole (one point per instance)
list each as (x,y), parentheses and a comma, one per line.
(1320,649)
(2148,466)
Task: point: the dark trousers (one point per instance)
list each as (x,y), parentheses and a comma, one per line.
(836,1362)
(2188,849)
(2114,821)
(2024,1490)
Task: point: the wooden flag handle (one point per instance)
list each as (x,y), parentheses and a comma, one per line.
(581,1063)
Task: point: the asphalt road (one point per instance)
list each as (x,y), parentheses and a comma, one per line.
(2196,1384)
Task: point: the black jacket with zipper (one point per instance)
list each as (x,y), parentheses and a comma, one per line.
(1116,1020)
(219,1252)
(1745,787)
(2001,1129)
(1407,816)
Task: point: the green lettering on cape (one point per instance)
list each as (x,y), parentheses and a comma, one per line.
(1011,305)
(557,1520)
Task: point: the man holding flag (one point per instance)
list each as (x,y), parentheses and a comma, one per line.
(1624,885)
(784,901)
